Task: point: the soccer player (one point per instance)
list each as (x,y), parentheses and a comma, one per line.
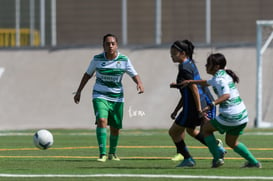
(233,116)
(108,98)
(193,99)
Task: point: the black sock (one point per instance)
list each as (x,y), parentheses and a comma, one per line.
(182,148)
(200,138)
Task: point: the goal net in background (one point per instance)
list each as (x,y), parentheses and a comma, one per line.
(264,82)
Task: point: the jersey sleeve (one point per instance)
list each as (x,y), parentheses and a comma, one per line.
(91,68)
(210,81)
(224,86)
(220,85)
(130,70)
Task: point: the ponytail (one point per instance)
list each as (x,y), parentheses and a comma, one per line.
(219,59)
(190,48)
(235,78)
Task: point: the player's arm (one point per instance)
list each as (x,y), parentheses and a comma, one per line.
(130,70)
(200,82)
(83,82)
(188,82)
(140,87)
(196,96)
(221,99)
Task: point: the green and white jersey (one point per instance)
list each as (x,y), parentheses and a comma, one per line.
(109,75)
(232,111)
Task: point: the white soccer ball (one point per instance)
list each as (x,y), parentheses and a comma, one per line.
(43,139)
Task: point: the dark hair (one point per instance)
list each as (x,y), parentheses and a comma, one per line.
(184,46)
(219,59)
(107,35)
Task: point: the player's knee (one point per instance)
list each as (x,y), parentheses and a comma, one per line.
(102,122)
(114,131)
(231,143)
(192,132)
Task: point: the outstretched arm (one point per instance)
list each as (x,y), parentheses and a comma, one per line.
(83,82)
(140,87)
(200,82)
(187,82)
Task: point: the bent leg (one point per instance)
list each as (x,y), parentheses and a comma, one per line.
(177,134)
(197,135)
(240,148)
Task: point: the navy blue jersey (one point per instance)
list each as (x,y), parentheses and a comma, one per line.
(188,117)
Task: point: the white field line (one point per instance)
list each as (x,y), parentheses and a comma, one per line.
(14,133)
(136,176)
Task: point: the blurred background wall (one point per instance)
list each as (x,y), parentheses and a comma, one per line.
(84,22)
(46,45)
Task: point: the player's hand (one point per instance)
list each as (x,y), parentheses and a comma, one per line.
(140,88)
(204,116)
(77,97)
(173,85)
(206,109)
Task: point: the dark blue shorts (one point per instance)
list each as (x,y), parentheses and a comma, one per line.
(189,118)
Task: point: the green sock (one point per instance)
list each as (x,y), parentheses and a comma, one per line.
(113,143)
(242,150)
(213,147)
(102,137)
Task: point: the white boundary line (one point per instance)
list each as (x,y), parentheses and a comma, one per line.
(15,133)
(136,176)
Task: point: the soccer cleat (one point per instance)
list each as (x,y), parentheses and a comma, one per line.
(178,157)
(113,156)
(221,148)
(189,162)
(217,163)
(250,165)
(102,158)
(219,142)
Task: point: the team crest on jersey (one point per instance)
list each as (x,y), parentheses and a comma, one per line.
(118,64)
